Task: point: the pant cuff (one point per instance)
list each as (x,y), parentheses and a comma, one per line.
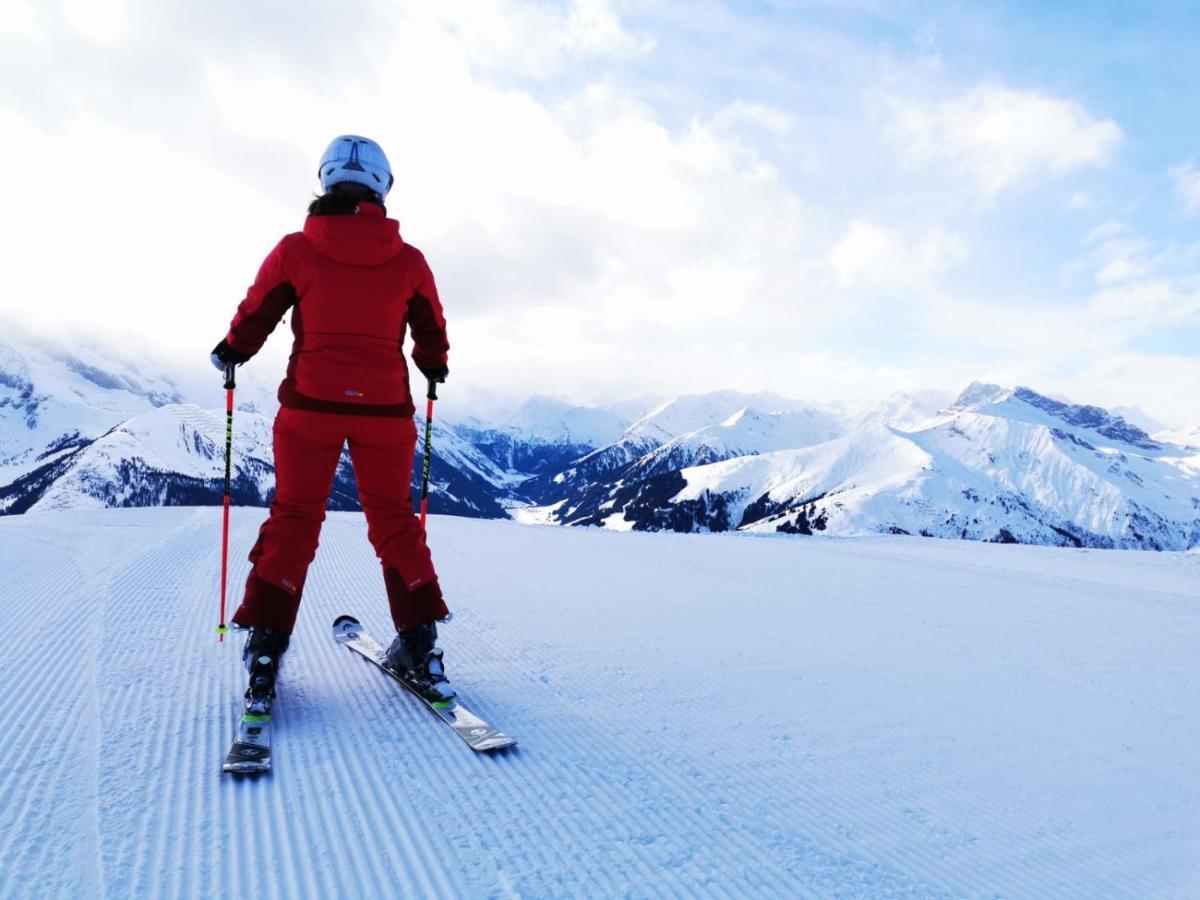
(416,607)
(265,605)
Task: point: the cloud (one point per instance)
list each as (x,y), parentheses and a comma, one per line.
(1187,186)
(536,40)
(874,257)
(1162,384)
(742,112)
(605,206)
(1088,200)
(1116,255)
(999,138)
(611,244)
(1145,307)
(160,257)
(97,20)
(20,20)
(1107,321)
(1104,350)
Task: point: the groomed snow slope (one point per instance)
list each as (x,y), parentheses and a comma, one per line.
(699,715)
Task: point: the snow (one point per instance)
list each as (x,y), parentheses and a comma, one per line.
(536,515)
(692,412)
(981,470)
(618,522)
(544,419)
(45,397)
(179,438)
(82,426)
(904,411)
(699,715)
(865,468)
(1184,437)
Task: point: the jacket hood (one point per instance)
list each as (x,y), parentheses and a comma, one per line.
(366,238)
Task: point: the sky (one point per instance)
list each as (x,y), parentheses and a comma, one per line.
(828,200)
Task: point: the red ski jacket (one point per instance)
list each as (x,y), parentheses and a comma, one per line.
(354,288)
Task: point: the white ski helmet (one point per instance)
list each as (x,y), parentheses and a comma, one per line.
(352,158)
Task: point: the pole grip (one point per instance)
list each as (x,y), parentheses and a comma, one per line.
(431,392)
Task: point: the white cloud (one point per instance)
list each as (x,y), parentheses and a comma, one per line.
(19,19)
(1119,256)
(1103,323)
(1080,350)
(875,257)
(610,245)
(1104,232)
(1164,385)
(97,20)
(1187,186)
(1085,200)
(1145,307)
(1116,256)
(1122,268)
(741,111)
(162,267)
(998,138)
(535,40)
(581,236)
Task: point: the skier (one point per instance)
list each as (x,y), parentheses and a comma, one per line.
(354,288)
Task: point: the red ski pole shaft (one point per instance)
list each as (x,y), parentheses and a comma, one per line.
(431,395)
(229,387)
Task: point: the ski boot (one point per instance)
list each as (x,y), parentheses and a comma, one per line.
(414,658)
(262,655)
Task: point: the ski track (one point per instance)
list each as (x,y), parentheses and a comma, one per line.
(753,758)
(39,753)
(742,833)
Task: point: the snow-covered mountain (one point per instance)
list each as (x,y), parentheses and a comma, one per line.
(51,398)
(171,456)
(998,465)
(84,427)
(542,434)
(686,431)
(904,411)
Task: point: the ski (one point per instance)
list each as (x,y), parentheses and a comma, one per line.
(251,750)
(478,734)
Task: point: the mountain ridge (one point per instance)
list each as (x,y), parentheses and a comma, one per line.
(993,463)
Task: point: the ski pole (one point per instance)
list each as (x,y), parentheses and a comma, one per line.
(222,629)
(431,395)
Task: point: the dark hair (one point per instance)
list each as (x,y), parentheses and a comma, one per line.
(342,199)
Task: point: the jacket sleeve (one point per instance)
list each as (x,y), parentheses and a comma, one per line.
(426,321)
(271,295)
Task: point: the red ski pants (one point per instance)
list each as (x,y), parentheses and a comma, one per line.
(308,446)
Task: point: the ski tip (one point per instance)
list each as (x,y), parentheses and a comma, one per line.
(346,625)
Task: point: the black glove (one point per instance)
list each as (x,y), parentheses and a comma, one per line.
(439,374)
(224,355)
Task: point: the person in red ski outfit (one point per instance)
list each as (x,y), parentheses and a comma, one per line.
(353,288)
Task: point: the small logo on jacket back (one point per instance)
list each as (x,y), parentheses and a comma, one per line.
(351,392)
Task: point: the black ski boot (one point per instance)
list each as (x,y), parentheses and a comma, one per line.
(414,658)
(262,655)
